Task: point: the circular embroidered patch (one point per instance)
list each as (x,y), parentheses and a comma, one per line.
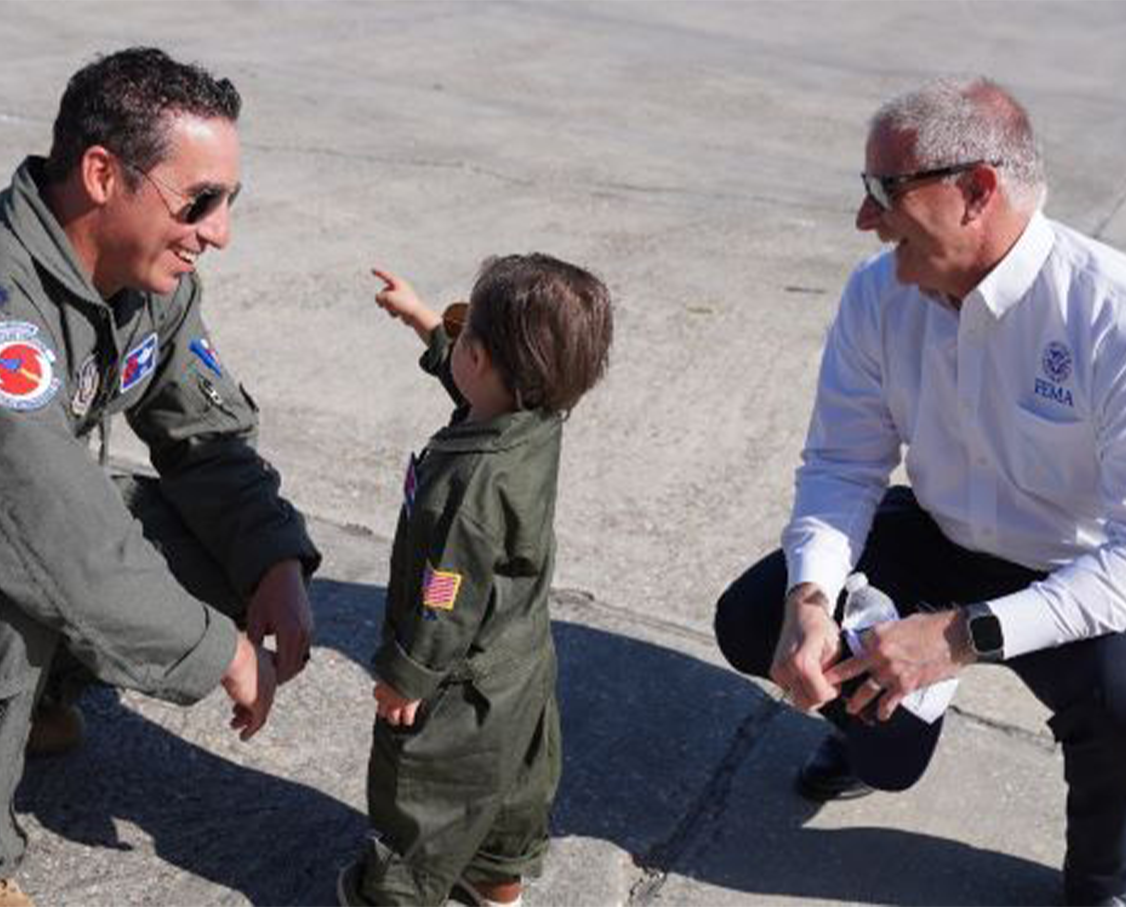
(27,367)
(1056,361)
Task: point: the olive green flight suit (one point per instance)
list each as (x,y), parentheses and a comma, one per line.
(468,789)
(77,570)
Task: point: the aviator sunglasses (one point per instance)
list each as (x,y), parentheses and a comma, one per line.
(198,206)
(883,190)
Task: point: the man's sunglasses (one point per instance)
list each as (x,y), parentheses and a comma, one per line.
(454,317)
(198,206)
(883,190)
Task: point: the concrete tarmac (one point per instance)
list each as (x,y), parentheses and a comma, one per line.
(703,158)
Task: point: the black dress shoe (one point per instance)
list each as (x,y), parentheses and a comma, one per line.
(827,774)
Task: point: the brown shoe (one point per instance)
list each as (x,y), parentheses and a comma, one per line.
(12,896)
(55,729)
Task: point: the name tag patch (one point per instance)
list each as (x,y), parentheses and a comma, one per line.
(88,381)
(139,363)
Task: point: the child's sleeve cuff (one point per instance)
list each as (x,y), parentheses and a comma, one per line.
(411,679)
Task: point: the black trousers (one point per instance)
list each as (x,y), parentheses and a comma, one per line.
(1083,683)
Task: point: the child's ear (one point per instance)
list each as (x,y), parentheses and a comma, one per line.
(479,357)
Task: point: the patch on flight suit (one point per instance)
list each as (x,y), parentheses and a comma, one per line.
(27,367)
(1056,362)
(439,588)
(207,354)
(139,363)
(88,381)
(410,485)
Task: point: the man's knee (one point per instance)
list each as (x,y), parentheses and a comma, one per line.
(748,617)
(1099,710)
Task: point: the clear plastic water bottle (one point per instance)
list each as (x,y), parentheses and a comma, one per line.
(865,606)
(892,754)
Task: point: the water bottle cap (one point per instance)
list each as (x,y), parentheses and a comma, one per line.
(855,582)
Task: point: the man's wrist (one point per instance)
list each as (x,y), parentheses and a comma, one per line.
(982,633)
(958,636)
(808,594)
(244,651)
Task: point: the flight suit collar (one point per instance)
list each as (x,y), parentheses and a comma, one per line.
(501,433)
(35,226)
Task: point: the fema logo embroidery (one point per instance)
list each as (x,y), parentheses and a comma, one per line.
(27,367)
(1056,363)
(207,354)
(139,363)
(88,381)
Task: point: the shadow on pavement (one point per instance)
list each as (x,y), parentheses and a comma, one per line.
(272,839)
(655,742)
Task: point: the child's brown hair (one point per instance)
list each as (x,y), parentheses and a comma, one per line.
(547,326)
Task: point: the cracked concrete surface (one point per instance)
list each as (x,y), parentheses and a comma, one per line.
(703,158)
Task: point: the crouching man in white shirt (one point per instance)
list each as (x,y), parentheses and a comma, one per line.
(989,343)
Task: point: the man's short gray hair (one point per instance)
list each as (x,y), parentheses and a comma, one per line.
(956,120)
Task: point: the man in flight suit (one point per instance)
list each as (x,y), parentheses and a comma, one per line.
(139,580)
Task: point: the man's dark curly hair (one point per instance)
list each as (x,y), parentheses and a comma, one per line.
(547,326)
(123,102)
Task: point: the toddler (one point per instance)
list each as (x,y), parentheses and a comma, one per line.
(465,754)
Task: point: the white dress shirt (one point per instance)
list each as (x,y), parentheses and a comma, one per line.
(1013,414)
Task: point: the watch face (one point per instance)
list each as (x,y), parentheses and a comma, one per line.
(985,629)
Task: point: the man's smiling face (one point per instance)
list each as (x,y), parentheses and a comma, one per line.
(926,219)
(148,242)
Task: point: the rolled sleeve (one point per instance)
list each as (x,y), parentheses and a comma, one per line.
(410,679)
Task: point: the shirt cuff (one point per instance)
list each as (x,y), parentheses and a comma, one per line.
(825,572)
(1027,623)
(411,679)
(200,671)
(289,541)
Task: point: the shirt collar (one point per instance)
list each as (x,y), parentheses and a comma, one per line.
(1009,282)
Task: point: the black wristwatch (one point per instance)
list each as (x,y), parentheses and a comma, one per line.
(983,628)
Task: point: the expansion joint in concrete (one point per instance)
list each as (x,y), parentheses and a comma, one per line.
(1109,219)
(579,600)
(392,160)
(1040,741)
(659,859)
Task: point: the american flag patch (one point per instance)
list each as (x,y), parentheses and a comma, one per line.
(439,588)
